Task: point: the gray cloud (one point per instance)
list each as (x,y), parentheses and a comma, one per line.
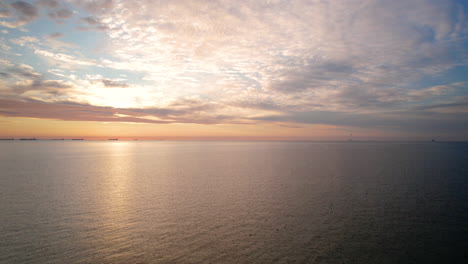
(263,104)
(5,75)
(425,107)
(93,23)
(23,81)
(21,72)
(114,84)
(95,6)
(49,3)
(313,75)
(407,121)
(415,121)
(90,20)
(80,112)
(25,13)
(25,9)
(42,85)
(61,14)
(56,35)
(457,106)
(5,13)
(70,112)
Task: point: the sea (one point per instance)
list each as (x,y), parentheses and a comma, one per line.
(112,202)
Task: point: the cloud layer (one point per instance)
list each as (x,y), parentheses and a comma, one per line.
(315,61)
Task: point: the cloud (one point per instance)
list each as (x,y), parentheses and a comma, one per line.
(56,35)
(61,14)
(5,75)
(90,20)
(460,106)
(19,71)
(81,112)
(305,61)
(49,3)
(4,46)
(93,23)
(95,6)
(25,9)
(113,84)
(437,90)
(314,75)
(5,13)
(70,112)
(414,121)
(42,85)
(353,54)
(25,13)
(22,41)
(63,59)
(22,81)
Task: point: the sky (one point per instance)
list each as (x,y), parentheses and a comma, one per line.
(225,69)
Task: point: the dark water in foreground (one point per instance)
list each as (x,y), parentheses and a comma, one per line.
(233,202)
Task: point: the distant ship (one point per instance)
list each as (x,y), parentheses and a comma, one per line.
(28,139)
(77,139)
(113,139)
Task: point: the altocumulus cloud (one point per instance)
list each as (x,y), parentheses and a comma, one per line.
(342,62)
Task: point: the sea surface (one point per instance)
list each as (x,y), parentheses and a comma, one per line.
(233,202)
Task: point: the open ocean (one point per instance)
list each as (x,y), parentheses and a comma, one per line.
(232,202)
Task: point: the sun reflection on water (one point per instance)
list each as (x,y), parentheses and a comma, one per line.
(114,223)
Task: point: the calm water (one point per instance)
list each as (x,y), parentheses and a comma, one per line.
(232,202)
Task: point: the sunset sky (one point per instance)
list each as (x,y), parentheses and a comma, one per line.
(251,69)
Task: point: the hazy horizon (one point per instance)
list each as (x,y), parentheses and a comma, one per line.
(236,139)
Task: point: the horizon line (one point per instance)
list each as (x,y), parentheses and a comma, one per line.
(227,139)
